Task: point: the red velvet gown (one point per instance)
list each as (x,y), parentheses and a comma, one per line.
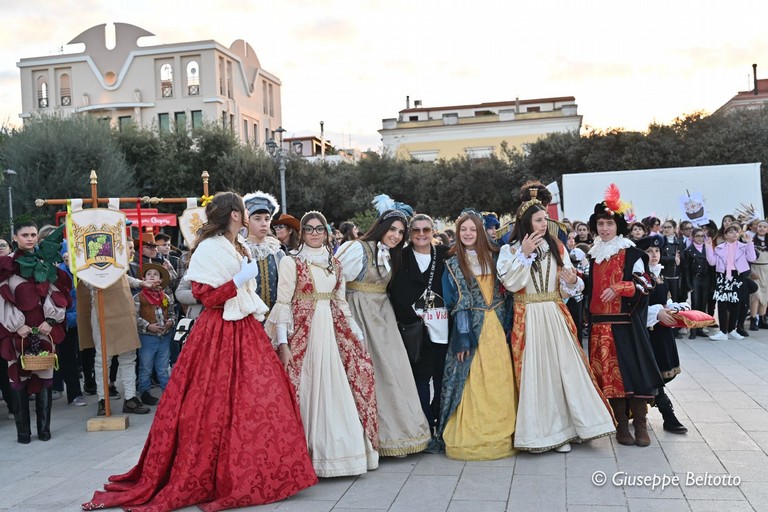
(227,432)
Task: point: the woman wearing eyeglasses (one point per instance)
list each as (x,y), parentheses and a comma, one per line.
(319,343)
(368,264)
(423,262)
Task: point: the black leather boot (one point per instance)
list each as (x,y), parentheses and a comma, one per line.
(23,430)
(43,401)
(671,423)
(753,324)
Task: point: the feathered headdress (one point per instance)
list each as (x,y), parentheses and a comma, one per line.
(613,202)
(261,201)
(612,206)
(383,203)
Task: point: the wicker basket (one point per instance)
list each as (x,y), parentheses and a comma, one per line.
(32,363)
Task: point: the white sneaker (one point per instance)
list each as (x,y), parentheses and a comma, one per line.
(564,448)
(79,401)
(733,335)
(720,336)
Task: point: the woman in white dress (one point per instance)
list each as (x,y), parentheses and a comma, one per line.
(320,346)
(559,400)
(368,264)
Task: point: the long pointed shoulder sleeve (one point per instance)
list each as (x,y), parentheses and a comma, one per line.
(513,268)
(351,255)
(279,324)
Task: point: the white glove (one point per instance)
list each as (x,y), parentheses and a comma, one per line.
(248,271)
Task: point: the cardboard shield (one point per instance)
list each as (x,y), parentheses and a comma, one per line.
(191,222)
(98,243)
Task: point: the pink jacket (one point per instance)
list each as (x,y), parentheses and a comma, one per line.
(745,254)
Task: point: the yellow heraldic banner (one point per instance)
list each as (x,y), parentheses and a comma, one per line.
(98,242)
(191,221)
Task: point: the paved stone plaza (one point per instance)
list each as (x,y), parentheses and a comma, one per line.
(722,396)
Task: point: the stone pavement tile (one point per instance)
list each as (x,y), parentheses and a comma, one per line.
(16,494)
(581,491)
(531,492)
(668,492)
(477,506)
(697,457)
(726,436)
(425,494)
(304,506)
(598,508)
(693,395)
(710,492)
(751,419)
(434,464)
(761,438)
(549,463)
(750,466)
(683,382)
(328,489)
(719,506)
(700,412)
(757,494)
(657,505)
(484,483)
(584,467)
(373,490)
(70,491)
(508,462)
(336,509)
(761,399)
(734,400)
(600,447)
(398,465)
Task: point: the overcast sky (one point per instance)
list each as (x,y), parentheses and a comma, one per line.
(351,63)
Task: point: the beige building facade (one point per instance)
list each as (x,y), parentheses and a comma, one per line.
(170,86)
(476,131)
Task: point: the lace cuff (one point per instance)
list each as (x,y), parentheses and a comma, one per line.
(571,290)
(527,261)
(280,316)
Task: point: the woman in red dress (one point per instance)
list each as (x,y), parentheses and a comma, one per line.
(227,432)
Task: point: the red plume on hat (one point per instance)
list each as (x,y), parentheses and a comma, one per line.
(613,202)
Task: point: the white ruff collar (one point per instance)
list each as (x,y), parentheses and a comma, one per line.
(602,251)
(266,248)
(215,263)
(317,256)
(656,269)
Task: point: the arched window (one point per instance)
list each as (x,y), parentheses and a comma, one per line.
(166,80)
(193,78)
(66,90)
(42,92)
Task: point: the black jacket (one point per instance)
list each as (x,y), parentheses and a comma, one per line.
(409,283)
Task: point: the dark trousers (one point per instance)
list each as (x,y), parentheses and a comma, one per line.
(701,294)
(433,371)
(728,315)
(5,386)
(69,365)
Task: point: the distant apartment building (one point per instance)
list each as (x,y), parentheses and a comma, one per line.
(170,86)
(476,131)
(755,98)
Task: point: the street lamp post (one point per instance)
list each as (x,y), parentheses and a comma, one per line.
(8,173)
(279,154)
